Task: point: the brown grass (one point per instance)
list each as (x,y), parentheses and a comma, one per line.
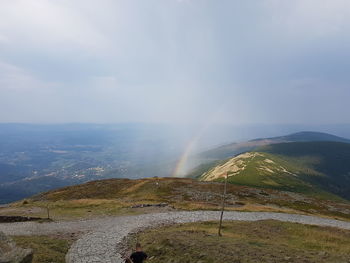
(116,196)
(46,249)
(262,241)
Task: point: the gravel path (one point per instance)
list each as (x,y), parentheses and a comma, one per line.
(102,235)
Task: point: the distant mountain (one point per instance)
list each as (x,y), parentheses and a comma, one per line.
(314,168)
(213,157)
(309,136)
(232,149)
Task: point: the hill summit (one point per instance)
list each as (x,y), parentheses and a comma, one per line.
(313,168)
(229,150)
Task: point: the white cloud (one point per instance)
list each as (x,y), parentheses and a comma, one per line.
(52,25)
(309,18)
(3,39)
(15,78)
(163,60)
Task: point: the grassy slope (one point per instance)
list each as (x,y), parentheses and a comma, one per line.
(229,150)
(202,168)
(315,168)
(46,249)
(262,241)
(116,196)
(213,157)
(329,159)
(281,180)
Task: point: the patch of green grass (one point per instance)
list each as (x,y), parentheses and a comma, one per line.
(262,241)
(46,249)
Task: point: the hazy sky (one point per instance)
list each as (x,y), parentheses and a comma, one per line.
(263,61)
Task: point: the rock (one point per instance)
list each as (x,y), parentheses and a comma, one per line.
(10,253)
(322,253)
(12,219)
(150,205)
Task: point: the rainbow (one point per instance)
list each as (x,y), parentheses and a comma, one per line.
(181,164)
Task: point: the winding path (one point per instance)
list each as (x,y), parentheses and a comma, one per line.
(99,244)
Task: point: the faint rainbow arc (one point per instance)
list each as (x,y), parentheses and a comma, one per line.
(190,146)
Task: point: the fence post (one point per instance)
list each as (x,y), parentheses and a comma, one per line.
(222,206)
(48,212)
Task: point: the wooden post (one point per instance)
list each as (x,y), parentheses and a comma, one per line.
(48,212)
(222,206)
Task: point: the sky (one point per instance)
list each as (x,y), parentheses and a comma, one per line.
(172,61)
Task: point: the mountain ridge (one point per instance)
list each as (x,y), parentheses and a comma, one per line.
(231,149)
(306,167)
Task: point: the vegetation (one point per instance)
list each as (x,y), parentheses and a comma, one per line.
(202,168)
(46,249)
(328,159)
(319,169)
(120,196)
(262,241)
(229,150)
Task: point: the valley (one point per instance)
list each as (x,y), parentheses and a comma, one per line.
(38,158)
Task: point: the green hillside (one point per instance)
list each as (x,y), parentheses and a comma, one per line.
(229,150)
(314,168)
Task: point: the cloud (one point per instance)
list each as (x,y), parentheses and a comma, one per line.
(171,61)
(15,78)
(310,18)
(48,25)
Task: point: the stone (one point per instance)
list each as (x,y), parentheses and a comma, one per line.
(10,253)
(322,253)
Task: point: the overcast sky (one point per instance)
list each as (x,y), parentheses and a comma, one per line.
(263,61)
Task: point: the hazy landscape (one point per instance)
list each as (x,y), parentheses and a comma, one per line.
(37,158)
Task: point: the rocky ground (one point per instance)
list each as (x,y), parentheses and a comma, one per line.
(98,238)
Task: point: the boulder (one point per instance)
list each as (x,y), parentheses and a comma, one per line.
(10,253)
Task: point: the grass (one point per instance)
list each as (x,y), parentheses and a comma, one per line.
(46,249)
(317,169)
(116,196)
(262,241)
(72,209)
(292,178)
(331,159)
(275,171)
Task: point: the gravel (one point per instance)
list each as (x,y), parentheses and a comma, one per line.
(99,243)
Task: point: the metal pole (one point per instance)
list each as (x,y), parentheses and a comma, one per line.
(222,206)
